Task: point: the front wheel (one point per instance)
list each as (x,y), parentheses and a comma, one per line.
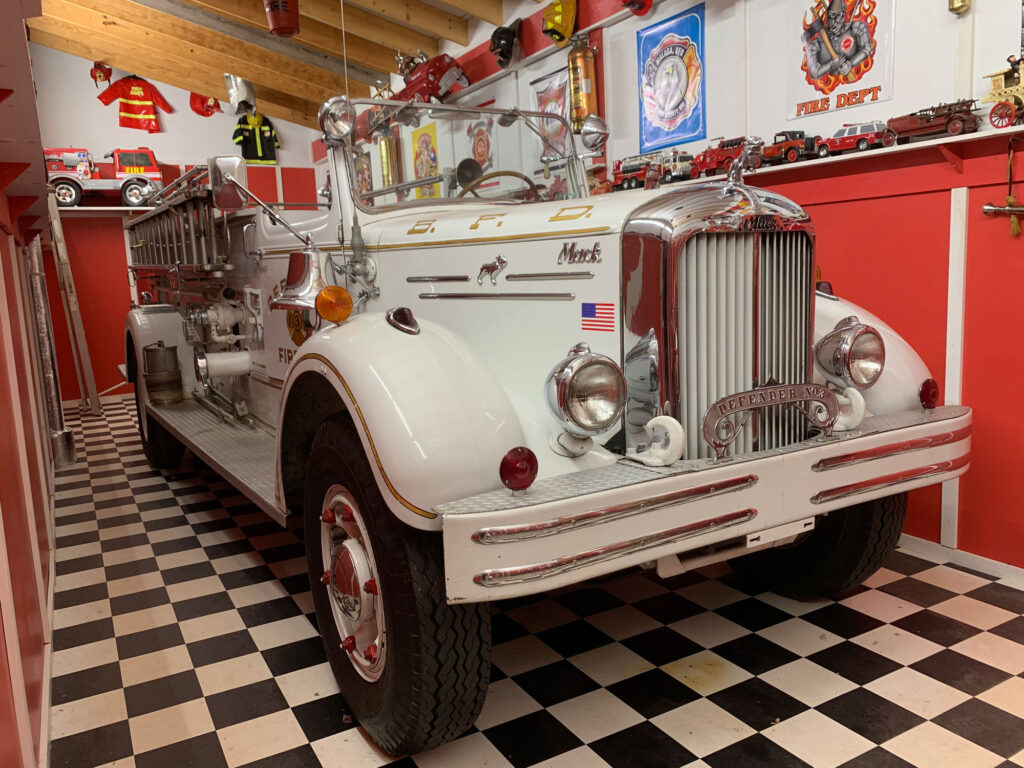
(863,145)
(133,194)
(413,669)
(845,547)
(792,155)
(823,150)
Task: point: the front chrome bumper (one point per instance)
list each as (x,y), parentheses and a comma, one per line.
(574,527)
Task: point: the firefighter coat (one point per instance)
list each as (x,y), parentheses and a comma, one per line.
(137,103)
(257,139)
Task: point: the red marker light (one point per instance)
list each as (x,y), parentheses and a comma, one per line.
(929,394)
(518,469)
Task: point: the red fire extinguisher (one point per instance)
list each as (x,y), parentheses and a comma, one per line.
(283,16)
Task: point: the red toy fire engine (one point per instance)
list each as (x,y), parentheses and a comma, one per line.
(72,173)
(631,172)
(717,157)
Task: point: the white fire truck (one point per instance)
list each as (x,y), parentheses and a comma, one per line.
(470,392)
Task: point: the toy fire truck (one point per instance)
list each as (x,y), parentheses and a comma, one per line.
(789,147)
(72,173)
(1006,94)
(632,172)
(718,157)
(485,393)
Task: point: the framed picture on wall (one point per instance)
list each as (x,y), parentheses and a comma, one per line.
(670,67)
(838,54)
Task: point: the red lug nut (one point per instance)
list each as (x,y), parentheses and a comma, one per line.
(370,586)
(349,643)
(328,517)
(370,654)
(326,578)
(346,514)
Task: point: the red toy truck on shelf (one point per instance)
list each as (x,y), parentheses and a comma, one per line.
(952,119)
(790,146)
(861,136)
(72,173)
(631,172)
(715,157)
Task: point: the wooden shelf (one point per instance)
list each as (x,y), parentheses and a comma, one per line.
(950,147)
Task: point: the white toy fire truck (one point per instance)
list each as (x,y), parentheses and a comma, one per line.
(133,174)
(470,392)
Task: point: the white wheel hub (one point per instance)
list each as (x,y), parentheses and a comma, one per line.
(350,575)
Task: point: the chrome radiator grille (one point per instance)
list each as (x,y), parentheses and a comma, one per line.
(744,304)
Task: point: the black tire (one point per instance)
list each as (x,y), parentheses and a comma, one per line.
(133,194)
(162,449)
(67,192)
(438,656)
(823,150)
(846,547)
(863,145)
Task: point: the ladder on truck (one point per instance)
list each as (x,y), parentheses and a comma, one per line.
(72,312)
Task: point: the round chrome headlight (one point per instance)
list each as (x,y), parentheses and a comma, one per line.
(852,353)
(337,118)
(586,392)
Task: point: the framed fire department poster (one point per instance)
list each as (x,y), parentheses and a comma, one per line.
(550,94)
(424,159)
(670,67)
(839,54)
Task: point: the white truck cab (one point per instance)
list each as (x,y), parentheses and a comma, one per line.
(475,381)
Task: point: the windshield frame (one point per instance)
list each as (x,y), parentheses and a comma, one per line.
(575,172)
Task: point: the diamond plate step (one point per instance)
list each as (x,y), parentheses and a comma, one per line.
(244,456)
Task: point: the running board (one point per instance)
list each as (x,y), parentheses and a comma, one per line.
(244,456)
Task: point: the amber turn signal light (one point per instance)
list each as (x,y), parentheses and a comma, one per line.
(334,304)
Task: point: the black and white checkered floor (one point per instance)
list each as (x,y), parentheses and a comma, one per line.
(184,637)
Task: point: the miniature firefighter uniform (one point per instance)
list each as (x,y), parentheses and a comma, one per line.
(258,139)
(138,100)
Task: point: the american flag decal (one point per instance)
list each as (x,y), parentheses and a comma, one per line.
(597,317)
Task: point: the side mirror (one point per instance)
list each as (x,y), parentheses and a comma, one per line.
(594,133)
(224,172)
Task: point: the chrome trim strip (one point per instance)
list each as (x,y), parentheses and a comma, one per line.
(511,296)
(550,276)
(438,279)
(864,486)
(509,533)
(884,451)
(502,576)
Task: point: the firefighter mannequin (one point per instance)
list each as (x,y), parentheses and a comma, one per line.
(256,136)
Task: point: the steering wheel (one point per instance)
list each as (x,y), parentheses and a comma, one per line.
(471,186)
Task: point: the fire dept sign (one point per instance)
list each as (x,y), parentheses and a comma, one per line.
(840,56)
(671,73)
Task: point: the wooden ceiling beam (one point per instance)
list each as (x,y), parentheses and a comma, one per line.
(490,11)
(179,73)
(408,13)
(362,29)
(160,32)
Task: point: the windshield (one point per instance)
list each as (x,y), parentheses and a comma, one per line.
(411,153)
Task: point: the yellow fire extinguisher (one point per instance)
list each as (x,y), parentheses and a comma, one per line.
(582,82)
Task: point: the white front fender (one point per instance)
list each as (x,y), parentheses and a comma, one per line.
(434,420)
(897,388)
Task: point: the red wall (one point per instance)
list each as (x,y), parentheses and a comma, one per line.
(883,241)
(18,500)
(99,266)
